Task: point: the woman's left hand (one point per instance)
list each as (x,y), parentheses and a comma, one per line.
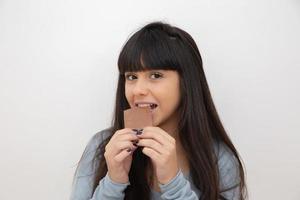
(161,148)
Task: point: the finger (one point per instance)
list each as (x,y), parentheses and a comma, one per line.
(127,137)
(153,144)
(122,131)
(126,134)
(119,146)
(123,154)
(157,134)
(160,132)
(163,133)
(152,154)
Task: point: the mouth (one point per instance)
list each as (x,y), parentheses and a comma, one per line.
(152,106)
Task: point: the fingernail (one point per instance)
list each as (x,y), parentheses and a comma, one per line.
(140,131)
(135,130)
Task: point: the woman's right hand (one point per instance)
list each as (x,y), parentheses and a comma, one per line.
(117,155)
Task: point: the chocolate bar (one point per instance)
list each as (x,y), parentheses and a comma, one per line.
(137,118)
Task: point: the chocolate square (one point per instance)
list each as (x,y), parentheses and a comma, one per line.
(137,118)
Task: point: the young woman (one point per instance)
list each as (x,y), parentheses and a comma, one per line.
(186,154)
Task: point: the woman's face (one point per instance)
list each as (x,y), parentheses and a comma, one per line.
(158,89)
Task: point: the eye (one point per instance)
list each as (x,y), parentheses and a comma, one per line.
(156,75)
(130,77)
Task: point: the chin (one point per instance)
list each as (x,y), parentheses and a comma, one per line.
(156,122)
(159,123)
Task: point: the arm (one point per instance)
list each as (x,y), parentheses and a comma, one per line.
(229,174)
(85,174)
(107,189)
(179,188)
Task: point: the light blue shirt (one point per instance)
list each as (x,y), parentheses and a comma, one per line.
(180,187)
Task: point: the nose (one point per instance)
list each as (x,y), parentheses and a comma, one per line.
(140,87)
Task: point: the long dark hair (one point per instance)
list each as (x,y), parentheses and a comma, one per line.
(162,46)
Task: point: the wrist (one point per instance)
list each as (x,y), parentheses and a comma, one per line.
(173,181)
(118,180)
(169,179)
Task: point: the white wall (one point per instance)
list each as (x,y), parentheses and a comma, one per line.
(58,76)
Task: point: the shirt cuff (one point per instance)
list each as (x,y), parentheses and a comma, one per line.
(177,188)
(111,188)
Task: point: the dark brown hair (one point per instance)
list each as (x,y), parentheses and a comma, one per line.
(162,46)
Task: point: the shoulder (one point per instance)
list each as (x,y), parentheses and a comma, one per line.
(228,165)
(225,155)
(87,167)
(97,139)
(89,160)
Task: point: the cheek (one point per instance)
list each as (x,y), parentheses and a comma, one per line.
(170,97)
(173,97)
(128,93)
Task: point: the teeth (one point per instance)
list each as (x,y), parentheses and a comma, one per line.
(152,106)
(145,105)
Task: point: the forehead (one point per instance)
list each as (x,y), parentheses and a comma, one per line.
(149,70)
(148,55)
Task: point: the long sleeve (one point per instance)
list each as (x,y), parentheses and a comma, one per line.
(229,174)
(83,180)
(107,189)
(179,188)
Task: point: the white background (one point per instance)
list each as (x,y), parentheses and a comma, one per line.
(58,77)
